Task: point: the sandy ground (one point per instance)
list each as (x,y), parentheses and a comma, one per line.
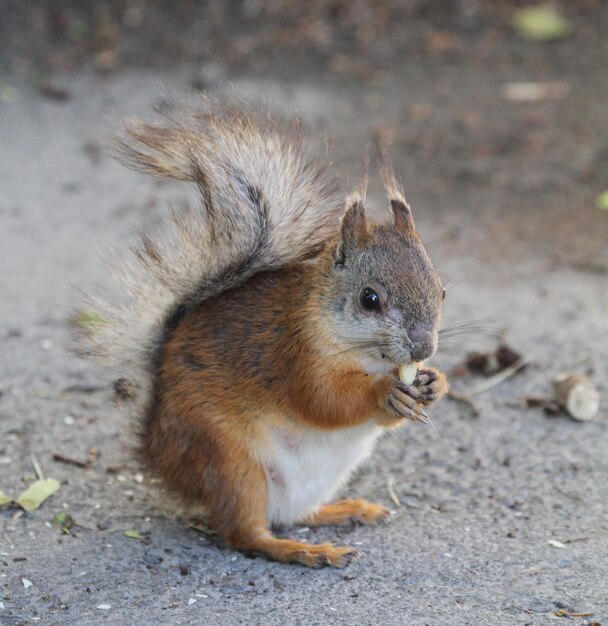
(480,500)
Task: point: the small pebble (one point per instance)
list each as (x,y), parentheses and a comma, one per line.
(104,607)
(192,600)
(68,420)
(26,583)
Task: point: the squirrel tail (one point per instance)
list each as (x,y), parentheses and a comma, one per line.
(263,205)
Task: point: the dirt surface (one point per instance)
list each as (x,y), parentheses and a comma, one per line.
(503,194)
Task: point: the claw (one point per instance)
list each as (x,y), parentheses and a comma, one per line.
(411,414)
(421,416)
(408,413)
(414,393)
(322,560)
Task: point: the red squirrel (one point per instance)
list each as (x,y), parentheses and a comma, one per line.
(261,344)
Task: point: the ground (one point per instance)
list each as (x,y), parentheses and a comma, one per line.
(504,196)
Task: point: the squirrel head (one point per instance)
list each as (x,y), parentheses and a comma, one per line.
(386,297)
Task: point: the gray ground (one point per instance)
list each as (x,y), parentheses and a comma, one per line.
(479,500)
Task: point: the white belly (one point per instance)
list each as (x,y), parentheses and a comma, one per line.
(305,466)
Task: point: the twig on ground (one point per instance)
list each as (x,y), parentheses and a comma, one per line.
(37,468)
(390,481)
(563,613)
(501,376)
(568,495)
(68,460)
(465,399)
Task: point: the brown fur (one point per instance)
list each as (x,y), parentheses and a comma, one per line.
(257,321)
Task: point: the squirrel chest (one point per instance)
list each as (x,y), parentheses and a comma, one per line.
(305,466)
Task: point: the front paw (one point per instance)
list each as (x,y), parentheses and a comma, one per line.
(404,402)
(430,385)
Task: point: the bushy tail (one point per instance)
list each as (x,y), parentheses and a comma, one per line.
(264,205)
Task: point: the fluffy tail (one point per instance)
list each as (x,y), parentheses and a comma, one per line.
(264,205)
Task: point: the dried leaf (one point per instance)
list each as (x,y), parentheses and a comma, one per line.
(535,92)
(65,522)
(540,23)
(601,202)
(133,534)
(37,493)
(555,543)
(8,94)
(53,92)
(88,319)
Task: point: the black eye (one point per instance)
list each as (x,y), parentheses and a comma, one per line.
(443,294)
(370,300)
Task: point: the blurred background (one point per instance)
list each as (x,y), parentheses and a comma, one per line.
(496,115)
(483,101)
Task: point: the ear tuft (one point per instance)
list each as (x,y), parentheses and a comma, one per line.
(403,215)
(353,231)
(402,212)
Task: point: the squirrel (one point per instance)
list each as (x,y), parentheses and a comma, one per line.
(260,347)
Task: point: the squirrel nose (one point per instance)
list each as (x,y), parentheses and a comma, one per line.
(422,343)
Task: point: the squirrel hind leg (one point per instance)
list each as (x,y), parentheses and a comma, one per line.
(231,487)
(249,532)
(290,551)
(346,512)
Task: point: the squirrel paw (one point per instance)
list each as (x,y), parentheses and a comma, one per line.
(349,512)
(310,555)
(403,401)
(325,555)
(430,385)
(289,551)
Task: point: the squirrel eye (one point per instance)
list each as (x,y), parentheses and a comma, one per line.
(443,294)
(370,300)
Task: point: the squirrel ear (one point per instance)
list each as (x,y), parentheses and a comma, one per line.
(403,215)
(401,209)
(353,230)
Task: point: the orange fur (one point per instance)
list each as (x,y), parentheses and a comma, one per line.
(348,511)
(253,358)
